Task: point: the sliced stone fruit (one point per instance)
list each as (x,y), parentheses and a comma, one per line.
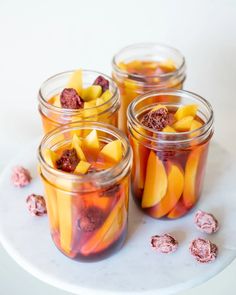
(91,141)
(91,92)
(76,81)
(178,211)
(195,125)
(183,124)
(76,144)
(51,203)
(155,183)
(191,171)
(82,167)
(99,235)
(112,151)
(173,194)
(187,110)
(56,101)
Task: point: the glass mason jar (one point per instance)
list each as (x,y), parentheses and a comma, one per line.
(168,168)
(71,197)
(53,116)
(143,57)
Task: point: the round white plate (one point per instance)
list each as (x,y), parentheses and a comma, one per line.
(136,268)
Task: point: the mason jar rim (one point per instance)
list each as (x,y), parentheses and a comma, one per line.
(163,137)
(60,110)
(148,45)
(121,166)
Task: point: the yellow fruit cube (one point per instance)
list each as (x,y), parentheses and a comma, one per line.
(113,150)
(50,157)
(76,144)
(82,167)
(183,124)
(195,125)
(76,81)
(187,110)
(106,95)
(90,110)
(169,129)
(91,141)
(91,92)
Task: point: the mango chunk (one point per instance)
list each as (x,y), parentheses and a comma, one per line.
(76,81)
(169,129)
(76,144)
(183,124)
(113,151)
(195,125)
(50,157)
(106,95)
(91,92)
(82,167)
(57,101)
(91,141)
(191,171)
(173,194)
(187,110)
(155,183)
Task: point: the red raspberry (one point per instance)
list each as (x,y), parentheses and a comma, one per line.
(70,99)
(203,251)
(20,176)
(91,219)
(104,83)
(164,243)
(158,119)
(206,222)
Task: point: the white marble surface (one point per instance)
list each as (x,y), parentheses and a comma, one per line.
(41,38)
(136,268)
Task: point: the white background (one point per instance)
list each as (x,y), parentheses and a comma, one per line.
(41,38)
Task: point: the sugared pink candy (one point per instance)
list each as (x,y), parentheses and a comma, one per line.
(20,176)
(164,243)
(203,251)
(206,222)
(36,205)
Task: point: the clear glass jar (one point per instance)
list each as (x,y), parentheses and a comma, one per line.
(53,116)
(69,197)
(168,168)
(132,84)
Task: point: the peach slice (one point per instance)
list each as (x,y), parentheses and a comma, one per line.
(82,167)
(99,235)
(155,183)
(183,124)
(76,81)
(112,151)
(76,144)
(106,95)
(169,129)
(178,211)
(173,194)
(91,92)
(141,154)
(187,110)
(91,141)
(195,125)
(56,101)
(191,170)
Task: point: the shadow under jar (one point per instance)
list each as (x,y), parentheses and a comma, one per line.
(101,110)
(168,167)
(144,67)
(87,213)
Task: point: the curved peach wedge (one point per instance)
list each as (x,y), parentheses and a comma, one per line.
(178,211)
(173,194)
(155,183)
(191,170)
(76,144)
(91,141)
(76,81)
